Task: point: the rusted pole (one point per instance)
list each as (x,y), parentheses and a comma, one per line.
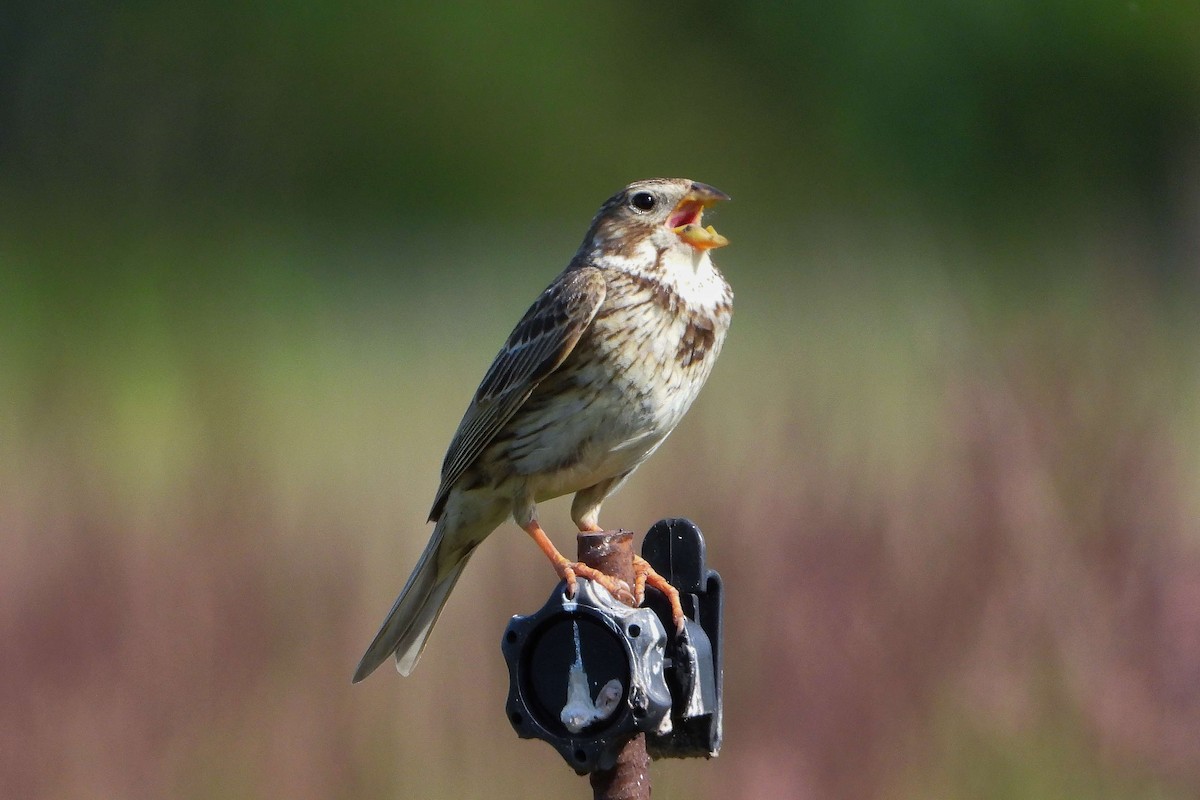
(611,552)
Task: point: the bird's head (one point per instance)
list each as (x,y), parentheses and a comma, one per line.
(665,211)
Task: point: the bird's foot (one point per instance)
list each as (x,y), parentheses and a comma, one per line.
(570,570)
(644,575)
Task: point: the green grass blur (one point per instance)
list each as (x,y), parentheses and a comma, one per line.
(253,263)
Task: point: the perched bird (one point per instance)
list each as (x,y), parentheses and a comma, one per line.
(598,372)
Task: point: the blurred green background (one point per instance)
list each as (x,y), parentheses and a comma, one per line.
(254,259)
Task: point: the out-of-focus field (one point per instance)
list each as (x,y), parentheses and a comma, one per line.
(255,259)
(957,521)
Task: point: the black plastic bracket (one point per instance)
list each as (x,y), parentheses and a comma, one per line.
(588,673)
(675,549)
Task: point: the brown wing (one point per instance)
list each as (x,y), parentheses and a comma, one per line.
(540,342)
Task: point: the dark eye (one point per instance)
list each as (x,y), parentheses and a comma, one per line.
(642,201)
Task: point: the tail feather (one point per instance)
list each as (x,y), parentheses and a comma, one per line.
(407,626)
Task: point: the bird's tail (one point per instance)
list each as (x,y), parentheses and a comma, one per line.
(408,624)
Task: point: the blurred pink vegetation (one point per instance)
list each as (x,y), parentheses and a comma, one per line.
(1019,605)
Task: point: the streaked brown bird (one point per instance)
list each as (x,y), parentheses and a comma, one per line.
(598,372)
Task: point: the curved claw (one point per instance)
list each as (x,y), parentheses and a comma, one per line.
(618,588)
(645,575)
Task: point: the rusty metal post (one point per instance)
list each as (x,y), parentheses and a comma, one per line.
(611,552)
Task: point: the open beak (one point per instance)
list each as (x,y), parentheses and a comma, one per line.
(685,218)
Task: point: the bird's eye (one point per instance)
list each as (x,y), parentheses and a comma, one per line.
(642,201)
